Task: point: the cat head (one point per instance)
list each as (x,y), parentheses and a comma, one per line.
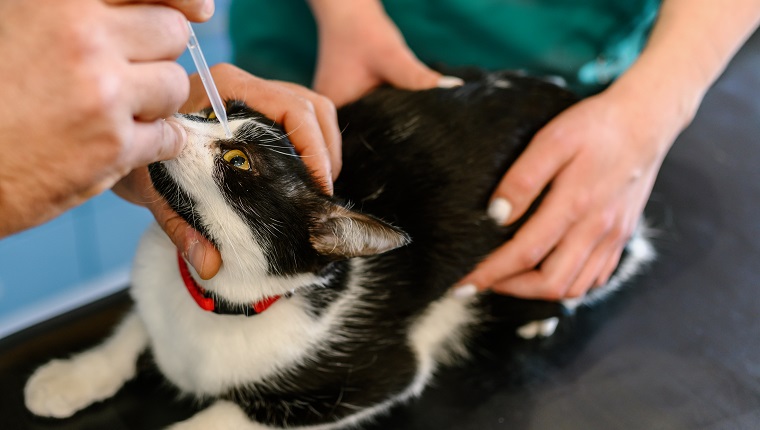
(252,196)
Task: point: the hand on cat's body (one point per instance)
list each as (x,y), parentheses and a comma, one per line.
(601,163)
(309,118)
(360,48)
(87,84)
(602,156)
(600,180)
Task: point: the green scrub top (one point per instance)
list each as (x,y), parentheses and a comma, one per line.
(586,42)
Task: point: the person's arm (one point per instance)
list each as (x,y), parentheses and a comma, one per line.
(86,85)
(361,48)
(310,120)
(603,154)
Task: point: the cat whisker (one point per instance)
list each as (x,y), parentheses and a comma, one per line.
(276,146)
(288,133)
(283,153)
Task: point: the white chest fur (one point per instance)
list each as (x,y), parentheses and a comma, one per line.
(205,353)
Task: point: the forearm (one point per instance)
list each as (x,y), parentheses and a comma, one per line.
(335,12)
(690,46)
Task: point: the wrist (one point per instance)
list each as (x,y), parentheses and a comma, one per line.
(668,100)
(688,48)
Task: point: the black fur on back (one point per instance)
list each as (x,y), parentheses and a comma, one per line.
(426,162)
(429,161)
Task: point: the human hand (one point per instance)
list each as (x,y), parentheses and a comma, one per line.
(194,10)
(309,118)
(86,84)
(601,157)
(360,48)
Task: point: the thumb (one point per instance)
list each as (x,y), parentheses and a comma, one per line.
(155,141)
(197,250)
(409,73)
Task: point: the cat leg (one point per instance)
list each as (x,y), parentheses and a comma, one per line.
(538,328)
(222,415)
(63,386)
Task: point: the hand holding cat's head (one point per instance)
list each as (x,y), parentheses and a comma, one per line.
(253,197)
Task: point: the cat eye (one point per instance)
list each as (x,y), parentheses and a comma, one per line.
(237,158)
(211,115)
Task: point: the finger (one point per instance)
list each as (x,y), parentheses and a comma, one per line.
(328,122)
(303,126)
(312,125)
(529,176)
(532,242)
(524,285)
(199,252)
(575,265)
(592,270)
(149,33)
(622,238)
(157,90)
(537,284)
(194,10)
(197,99)
(408,72)
(202,255)
(609,267)
(136,187)
(300,119)
(154,141)
(327,116)
(560,269)
(613,259)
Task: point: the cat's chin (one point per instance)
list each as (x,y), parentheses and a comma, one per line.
(228,285)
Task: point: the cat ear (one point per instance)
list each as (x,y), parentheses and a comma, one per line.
(344,234)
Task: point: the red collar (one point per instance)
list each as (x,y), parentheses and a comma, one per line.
(206,301)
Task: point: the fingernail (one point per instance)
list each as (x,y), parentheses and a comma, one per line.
(499,210)
(208,8)
(194,253)
(464,291)
(450,82)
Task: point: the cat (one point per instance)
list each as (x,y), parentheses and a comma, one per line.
(327,310)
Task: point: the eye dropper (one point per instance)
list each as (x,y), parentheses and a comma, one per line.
(208,82)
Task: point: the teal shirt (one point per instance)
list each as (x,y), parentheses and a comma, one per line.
(587,42)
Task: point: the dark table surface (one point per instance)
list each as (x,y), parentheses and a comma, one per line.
(678,349)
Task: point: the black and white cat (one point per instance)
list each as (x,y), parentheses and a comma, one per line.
(326,310)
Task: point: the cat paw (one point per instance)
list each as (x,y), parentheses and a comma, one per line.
(540,328)
(220,415)
(60,388)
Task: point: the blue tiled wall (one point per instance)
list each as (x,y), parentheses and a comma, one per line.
(85,253)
